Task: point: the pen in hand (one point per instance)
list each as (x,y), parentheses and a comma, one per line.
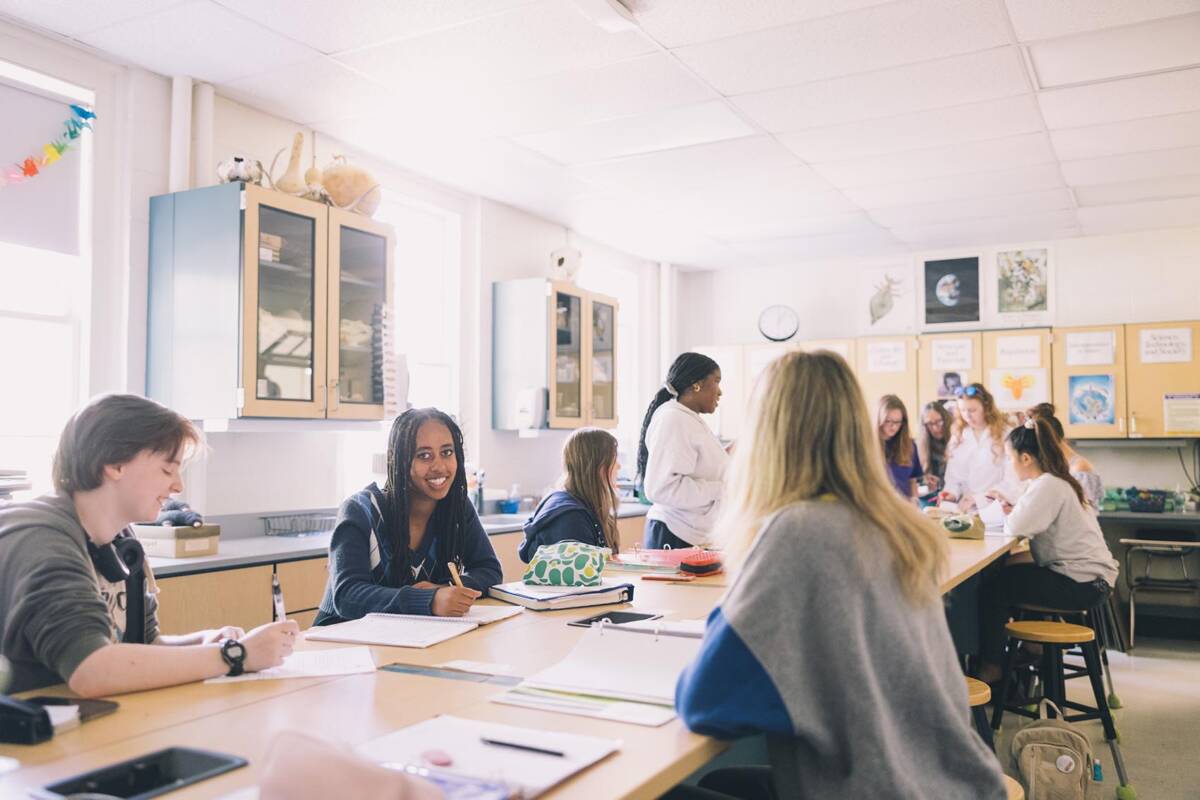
(518,746)
(277,597)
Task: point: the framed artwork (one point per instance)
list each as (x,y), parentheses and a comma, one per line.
(1091,400)
(886,300)
(950,293)
(1021,281)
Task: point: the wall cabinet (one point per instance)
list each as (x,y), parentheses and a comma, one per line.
(947,361)
(1089,381)
(266,305)
(240,597)
(888,365)
(554,356)
(1163,388)
(1017,367)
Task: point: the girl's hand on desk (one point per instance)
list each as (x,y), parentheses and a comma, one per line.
(221,634)
(268,645)
(454,601)
(1005,505)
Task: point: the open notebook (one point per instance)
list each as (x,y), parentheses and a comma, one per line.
(409,630)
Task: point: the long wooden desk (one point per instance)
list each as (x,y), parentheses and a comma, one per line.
(243,718)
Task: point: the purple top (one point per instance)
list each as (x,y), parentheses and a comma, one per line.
(902,474)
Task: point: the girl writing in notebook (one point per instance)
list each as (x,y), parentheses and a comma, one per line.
(976,463)
(1068,565)
(831,640)
(392,547)
(585,509)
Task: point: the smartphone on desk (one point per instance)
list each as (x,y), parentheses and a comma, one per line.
(88,709)
(614,618)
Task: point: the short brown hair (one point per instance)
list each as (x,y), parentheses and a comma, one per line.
(113,429)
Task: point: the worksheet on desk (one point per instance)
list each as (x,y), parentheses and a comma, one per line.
(311,664)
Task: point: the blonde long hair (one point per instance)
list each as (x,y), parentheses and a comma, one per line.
(809,434)
(997,425)
(588,457)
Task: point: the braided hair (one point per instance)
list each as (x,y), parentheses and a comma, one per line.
(449,514)
(1037,439)
(687,369)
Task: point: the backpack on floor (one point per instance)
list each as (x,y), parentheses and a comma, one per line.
(1052,758)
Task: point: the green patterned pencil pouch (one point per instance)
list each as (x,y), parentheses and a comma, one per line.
(567,564)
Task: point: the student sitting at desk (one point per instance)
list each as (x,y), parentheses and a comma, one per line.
(832,639)
(1081,469)
(585,509)
(899,449)
(392,547)
(62,587)
(976,463)
(1068,565)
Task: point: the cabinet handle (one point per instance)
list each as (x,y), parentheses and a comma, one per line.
(324,397)
(1133,423)
(337,401)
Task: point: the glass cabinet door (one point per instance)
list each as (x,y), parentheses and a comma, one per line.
(567,364)
(604,361)
(359,299)
(283,351)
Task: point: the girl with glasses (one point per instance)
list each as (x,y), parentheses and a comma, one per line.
(899,449)
(933,440)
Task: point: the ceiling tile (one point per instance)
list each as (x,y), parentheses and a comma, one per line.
(766,202)
(979,232)
(169,42)
(975,208)
(1132,167)
(1105,194)
(318,89)
(1016,151)
(958,187)
(366,22)
(641,133)
(1140,216)
(72,18)
(970,78)
(993,119)
(783,251)
(875,38)
(1131,98)
(687,167)
(1149,47)
(1038,19)
(798,226)
(678,22)
(528,42)
(1151,133)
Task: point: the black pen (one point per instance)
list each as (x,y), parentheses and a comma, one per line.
(518,746)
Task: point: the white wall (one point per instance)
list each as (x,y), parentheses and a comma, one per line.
(1147,276)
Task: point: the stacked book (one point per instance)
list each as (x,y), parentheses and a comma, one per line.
(12,481)
(270,247)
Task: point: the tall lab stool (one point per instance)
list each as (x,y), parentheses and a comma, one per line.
(979,694)
(1055,637)
(1102,619)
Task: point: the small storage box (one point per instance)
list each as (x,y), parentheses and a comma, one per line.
(169,541)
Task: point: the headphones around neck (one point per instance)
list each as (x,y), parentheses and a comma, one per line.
(119,560)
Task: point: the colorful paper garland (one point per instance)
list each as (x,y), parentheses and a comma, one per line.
(31,166)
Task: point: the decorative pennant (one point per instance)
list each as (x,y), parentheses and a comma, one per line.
(32,166)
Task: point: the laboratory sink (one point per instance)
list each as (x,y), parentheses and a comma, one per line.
(504,519)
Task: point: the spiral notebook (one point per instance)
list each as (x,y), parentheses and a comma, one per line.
(408,630)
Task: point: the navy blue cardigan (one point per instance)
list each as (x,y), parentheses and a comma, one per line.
(360,552)
(560,517)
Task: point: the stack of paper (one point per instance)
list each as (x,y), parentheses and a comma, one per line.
(409,630)
(311,664)
(549,598)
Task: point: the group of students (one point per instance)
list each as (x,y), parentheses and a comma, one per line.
(833,617)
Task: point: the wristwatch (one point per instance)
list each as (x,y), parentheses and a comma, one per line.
(233,653)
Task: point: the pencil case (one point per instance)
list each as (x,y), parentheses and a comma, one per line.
(566,564)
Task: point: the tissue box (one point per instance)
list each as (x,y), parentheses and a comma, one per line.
(169,541)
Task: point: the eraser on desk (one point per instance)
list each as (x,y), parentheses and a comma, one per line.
(438,758)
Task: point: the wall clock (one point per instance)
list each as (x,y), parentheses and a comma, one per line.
(778,323)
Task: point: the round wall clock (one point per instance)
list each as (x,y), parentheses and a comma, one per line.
(778,323)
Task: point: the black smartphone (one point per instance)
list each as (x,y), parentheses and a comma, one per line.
(614,618)
(88,709)
(146,776)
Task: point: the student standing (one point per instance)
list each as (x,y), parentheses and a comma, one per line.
(681,463)
(63,605)
(933,441)
(899,449)
(585,509)
(391,546)
(1068,565)
(976,463)
(831,639)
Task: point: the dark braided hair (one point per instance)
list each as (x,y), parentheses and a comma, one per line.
(1037,438)
(687,369)
(448,516)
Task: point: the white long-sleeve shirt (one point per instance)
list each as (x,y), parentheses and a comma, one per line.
(974,465)
(684,473)
(1063,535)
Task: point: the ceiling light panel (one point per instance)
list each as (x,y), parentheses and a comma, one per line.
(1114,101)
(885,36)
(1038,19)
(958,187)
(1152,133)
(1106,194)
(1132,167)
(675,23)
(1150,47)
(946,126)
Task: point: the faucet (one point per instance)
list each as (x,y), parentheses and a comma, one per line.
(479,476)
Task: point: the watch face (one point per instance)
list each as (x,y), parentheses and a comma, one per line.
(778,323)
(234,649)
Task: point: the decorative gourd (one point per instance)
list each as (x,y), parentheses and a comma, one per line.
(351,188)
(291,182)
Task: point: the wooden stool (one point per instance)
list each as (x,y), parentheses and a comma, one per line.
(1015,792)
(979,694)
(1103,621)
(1055,637)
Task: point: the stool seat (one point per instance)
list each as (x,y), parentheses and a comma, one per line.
(1015,792)
(1049,632)
(978,692)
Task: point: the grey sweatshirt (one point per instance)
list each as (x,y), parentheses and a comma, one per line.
(55,611)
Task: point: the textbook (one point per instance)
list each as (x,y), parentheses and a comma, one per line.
(408,630)
(550,598)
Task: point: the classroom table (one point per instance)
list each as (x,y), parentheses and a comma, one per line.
(242,718)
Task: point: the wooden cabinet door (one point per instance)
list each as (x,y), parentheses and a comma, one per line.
(601,319)
(1017,367)
(1161,360)
(843,347)
(946,361)
(239,597)
(630,532)
(888,365)
(302,583)
(507,546)
(566,356)
(1089,381)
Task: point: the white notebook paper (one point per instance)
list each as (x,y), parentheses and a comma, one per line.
(463,741)
(311,664)
(409,630)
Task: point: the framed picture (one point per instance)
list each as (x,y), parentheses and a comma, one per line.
(950,293)
(1091,400)
(886,300)
(1021,283)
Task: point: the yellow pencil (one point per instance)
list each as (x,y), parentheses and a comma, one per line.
(454,574)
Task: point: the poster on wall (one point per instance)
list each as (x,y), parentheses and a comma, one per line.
(1091,400)
(1165,345)
(951,291)
(949,384)
(887,356)
(886,300)
(1091,348)
(1017,389)
(1022,285)
(958,354)
(1181,413)
(1015,352)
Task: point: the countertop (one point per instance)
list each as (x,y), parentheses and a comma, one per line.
(254,550)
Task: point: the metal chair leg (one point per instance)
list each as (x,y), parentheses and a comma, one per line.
(1091,657)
